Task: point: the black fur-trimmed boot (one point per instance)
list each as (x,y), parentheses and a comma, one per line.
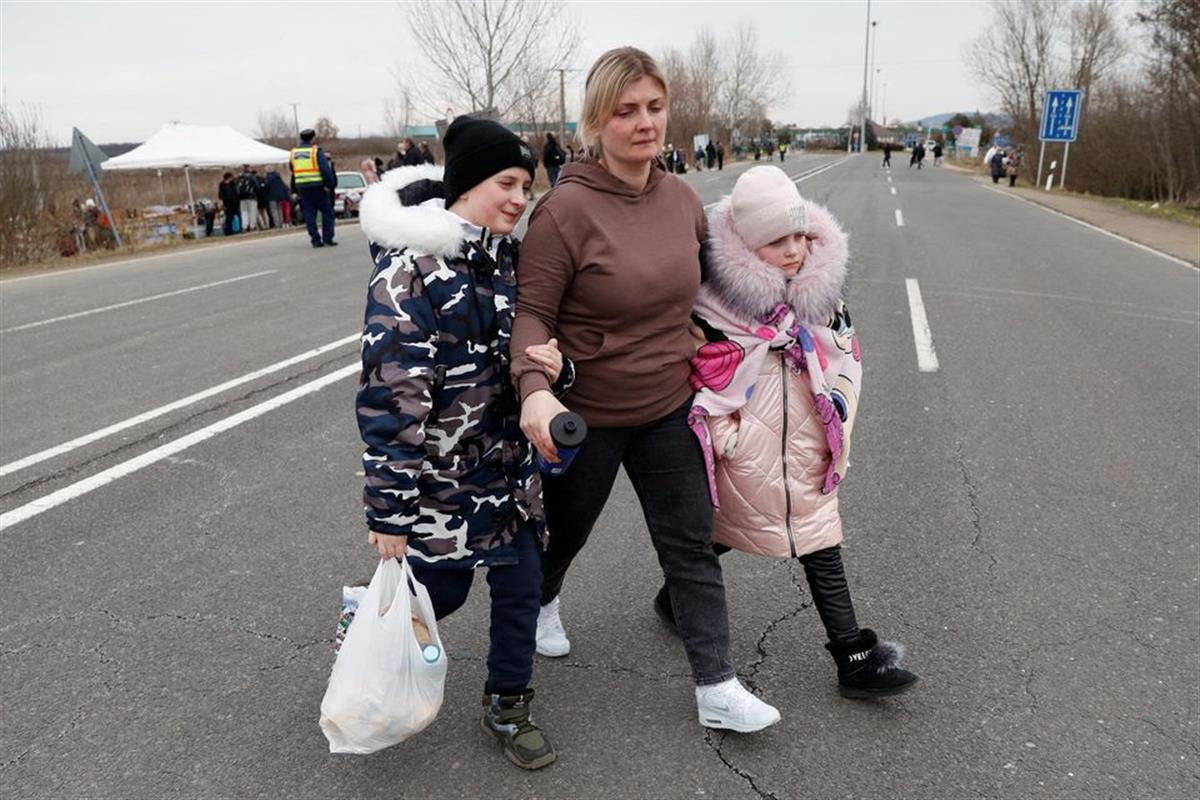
(868,667)
(507,718)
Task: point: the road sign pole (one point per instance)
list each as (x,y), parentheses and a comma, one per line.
(1062,182)
(1041,158)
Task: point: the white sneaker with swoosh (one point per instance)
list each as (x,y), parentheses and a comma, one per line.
(731,706)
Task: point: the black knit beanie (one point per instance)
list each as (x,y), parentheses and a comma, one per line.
(476,149)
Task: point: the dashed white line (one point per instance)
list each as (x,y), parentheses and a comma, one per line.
(128,303)
(899,219)
(927,360)
(893,190)
(889,178)
(68,493)
(94,436)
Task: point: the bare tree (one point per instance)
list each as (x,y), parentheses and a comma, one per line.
(1015,54)
(481,51)
(706,75)
(752,81)
(398,110)
(275,124)
(325,129)
(1096,44)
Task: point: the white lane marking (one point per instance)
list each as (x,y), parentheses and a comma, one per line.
(127,303)
(899,219)
(814,172)
(184,251)
(889,176)
(802,177)
(927,360)
(1145,247)
(117,427)
(893,190)
(68,493)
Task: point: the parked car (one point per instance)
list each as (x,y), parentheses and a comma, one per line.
(348,193)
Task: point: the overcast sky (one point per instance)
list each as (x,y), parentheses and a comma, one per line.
(119,70)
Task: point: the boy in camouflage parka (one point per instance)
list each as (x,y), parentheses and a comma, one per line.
(450,477)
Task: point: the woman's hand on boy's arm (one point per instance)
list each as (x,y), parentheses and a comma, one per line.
(548,357)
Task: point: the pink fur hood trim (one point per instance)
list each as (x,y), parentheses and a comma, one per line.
(753,288)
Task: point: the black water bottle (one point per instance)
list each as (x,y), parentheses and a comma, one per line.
(568,430)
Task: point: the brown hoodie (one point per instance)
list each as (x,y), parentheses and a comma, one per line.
(612,272)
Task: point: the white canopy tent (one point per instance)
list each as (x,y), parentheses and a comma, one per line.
(183,146)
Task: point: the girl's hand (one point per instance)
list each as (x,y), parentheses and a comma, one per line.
(548,357)
(536,412)
(387,545)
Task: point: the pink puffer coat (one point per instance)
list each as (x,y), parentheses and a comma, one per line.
(772,455)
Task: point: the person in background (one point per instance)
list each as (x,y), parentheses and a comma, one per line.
(227,194)
(720,156)
(937,154)
(368,170)
(699,159)
(887,155)
(553,157)
(997,165)
(710,155)
(380,168)
(398,159)
(426,154)
(1012,165)
(278,206)
(412,154)
(783,148)
(313,177)
(247,192)
(264,216)
(571,157)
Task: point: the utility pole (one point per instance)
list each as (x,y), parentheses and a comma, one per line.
(562,102)
(296,117)
(872,96)
(884,107)
(862,135)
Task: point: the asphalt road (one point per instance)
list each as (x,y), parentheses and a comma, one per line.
(1025,518)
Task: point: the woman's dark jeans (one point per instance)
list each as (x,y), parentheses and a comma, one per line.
(665,465)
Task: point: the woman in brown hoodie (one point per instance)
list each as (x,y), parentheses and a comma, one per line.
(610,267)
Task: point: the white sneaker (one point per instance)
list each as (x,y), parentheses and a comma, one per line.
(551,638)
(731,706)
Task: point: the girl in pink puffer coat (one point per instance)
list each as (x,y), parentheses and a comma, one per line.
(777,382)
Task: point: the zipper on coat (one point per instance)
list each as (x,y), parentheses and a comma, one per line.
(787,491)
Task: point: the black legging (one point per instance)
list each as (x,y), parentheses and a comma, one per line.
(826,577)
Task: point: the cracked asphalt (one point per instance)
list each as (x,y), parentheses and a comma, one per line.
(1025,520)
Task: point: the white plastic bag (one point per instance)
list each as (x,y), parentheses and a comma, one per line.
(383,689)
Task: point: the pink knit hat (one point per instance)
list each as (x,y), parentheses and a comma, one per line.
(766,206)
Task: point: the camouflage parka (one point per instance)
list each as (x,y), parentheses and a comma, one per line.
(445,462)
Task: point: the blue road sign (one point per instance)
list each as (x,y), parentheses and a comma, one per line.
(1060,117)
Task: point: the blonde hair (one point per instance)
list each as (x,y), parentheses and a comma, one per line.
(609,76)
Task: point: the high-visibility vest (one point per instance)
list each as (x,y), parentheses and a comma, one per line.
(305,167)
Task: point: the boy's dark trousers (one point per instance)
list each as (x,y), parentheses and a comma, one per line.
(516,590)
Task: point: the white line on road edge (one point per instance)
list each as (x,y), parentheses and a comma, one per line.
(114,306)
(169,407)
(183,251)
(893,190)
(812,173)
(927,360)
(32,509)
(803,176)
(1145,247)
(899,219)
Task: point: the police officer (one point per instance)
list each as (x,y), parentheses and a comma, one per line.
(313,178)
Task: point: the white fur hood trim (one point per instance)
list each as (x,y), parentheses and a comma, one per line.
(751,287)
(423,229)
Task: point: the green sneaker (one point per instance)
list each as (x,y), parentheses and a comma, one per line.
(507,718)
